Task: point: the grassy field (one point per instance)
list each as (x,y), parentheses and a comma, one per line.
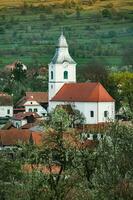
(29,31)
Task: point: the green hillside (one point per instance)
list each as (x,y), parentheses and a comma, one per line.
(95,30)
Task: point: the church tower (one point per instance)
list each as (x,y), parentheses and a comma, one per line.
(62,68)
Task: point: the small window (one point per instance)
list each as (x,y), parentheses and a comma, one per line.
(106,113)
(31,102)
(8,111)
(95,137)
(92,113)
(51,86)
(65,74)
(52,75)
(35,110)
(30,110)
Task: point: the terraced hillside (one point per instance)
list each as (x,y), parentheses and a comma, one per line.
(100,30)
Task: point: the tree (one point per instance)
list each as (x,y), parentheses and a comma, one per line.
(10,176)
(113,177)
(127,55)
(124,85)
(78,14)
(94,71)
(19,73)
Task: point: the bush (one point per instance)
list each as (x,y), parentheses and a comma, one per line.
(106,13)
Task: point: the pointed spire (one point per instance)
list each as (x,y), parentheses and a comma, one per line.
(62,52)
(62,43)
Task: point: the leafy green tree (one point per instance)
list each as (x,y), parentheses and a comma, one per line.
(10,177)
(19,73)
(113,177)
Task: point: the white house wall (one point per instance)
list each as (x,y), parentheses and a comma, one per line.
(40,109)
(32,105)
(4,111)
(19,123)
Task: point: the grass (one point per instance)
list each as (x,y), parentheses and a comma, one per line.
(30,34)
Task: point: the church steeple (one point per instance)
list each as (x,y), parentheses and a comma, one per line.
(62,52)
(62,68)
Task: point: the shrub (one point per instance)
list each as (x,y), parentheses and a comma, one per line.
(106,13)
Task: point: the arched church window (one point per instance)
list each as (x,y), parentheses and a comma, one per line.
(106,113)
(65,74)
(92,113)
(52,75)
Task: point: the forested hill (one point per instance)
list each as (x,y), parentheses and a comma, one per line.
(96,30)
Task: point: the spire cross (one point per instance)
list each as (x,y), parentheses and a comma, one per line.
(62,30)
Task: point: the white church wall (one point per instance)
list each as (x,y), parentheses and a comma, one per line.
(106,106)
(83,107)
(86,108)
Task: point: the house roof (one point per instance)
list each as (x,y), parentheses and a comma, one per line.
(20,116)
(54,169)
(5,99)
(83,92)
(14,136)
(40,97)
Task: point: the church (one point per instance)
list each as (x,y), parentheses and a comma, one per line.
(90,98)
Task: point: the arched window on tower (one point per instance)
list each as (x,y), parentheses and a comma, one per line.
(52,75)
(65,74)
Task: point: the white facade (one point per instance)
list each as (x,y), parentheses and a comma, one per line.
(33,106)
(98,109)
(62,68)
(6,111)
(19,123)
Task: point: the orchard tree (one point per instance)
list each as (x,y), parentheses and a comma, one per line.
(113,177)
(19,73)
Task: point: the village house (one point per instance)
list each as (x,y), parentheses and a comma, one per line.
(22,119)
(6,105)
(89,98)
(36,102)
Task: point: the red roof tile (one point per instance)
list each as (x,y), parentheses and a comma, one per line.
(14,136)
(40,97)
(37,138)
(20,116)
(54,169)
(83,92)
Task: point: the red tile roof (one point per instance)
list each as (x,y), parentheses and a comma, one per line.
(40,97)
(14,136)
(54,169)
(83,92)
(20,116)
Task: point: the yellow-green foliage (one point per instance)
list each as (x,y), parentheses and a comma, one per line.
(95,4)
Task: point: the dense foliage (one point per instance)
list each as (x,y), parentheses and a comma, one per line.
(103,171)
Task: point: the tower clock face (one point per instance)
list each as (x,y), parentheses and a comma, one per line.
(65,64)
